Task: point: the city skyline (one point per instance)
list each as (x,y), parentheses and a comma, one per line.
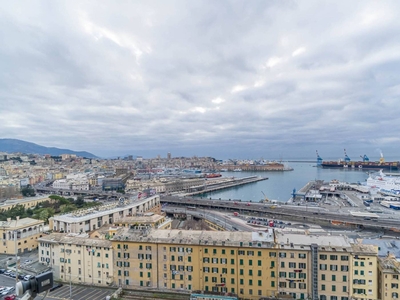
(226,79)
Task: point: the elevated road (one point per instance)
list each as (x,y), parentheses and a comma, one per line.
(307,214)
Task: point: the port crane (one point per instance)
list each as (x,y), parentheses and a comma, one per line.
(346,157)
(319,159)
(364,158)
(266,200)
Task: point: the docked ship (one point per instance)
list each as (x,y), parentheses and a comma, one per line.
(365,163)
(384,183)
(213,175)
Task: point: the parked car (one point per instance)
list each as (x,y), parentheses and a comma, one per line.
(7,291)
(7,273)
(10,297)
(2,271)
(57,286)
(21,276)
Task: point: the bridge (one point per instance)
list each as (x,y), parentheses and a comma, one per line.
(297,213)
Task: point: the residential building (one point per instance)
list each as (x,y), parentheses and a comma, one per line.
(389,271)
(20,235)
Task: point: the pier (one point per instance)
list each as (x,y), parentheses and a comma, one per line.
(232,182)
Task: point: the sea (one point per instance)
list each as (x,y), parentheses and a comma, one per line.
(280,185)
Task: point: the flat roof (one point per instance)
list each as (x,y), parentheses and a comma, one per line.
(99,211)
(21,223)
(303,241)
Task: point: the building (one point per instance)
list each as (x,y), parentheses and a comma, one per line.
(77,258)
(20,235)
(389,271)
(85,220)
(249,265)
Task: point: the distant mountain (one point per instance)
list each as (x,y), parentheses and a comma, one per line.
(13,145)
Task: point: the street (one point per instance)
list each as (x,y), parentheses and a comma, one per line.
(78,293)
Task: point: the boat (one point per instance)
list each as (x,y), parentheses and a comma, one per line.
(365,163)
(213,175)
(237,170)
(384,183)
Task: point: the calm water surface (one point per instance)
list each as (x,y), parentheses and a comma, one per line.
(280,185)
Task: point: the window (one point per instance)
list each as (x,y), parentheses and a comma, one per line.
(250,282)
(272,263)
(215,270)
(205,250)
(214,251)
(232,271)
(282,274)
(333,288)
(323,287)
(232,261)
(302,255)
(250,272)
(344,268)
(250,253)
(272,283)
(333,267)
(250,262)
(323,257)
(272,273)
(241,271)
(205,260)
(292,275)
(344,258)
(302,286)
(282,254)
(259,253)
(232,280)
(272,254)
(322,276)
(302,266)
(356,263)
(223,251)
(322,267)
(333,257)
(292,265)
(241,262)
(215,260)
(259,273)
(344,289)
(302,275)
(241,281)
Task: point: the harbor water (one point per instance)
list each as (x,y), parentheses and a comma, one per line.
(280,185)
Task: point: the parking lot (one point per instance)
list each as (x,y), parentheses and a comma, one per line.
(78,293)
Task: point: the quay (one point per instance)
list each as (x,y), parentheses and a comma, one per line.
(226,184)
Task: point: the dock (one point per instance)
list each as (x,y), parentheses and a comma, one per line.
(232,182)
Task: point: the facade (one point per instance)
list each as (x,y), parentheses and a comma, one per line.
(93,218)
(20,235)
(25,202)
(389,272)
(249,265)
(77,258)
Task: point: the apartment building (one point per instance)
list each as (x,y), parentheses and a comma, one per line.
(250,265)
(77,258)
(243,263)
(85,220)
(20,235)
(388,276)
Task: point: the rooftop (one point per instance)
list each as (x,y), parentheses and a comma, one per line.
(99,211)
(21,223)
(325,242)
(220,238)
(75,239)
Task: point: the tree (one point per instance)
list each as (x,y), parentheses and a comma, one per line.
(28,191)
(80,202)
(67,208)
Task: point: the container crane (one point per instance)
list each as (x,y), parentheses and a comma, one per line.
(319,159)
(346,158)
(266,200)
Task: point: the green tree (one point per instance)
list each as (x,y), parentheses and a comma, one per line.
(67,208)
(28,191)
(80,202)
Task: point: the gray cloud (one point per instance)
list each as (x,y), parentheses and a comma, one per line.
(225,78)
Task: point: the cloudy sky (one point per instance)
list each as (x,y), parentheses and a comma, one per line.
(243,79)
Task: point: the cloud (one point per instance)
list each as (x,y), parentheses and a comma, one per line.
(258,78)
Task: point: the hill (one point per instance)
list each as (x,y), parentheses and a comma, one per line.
(14,145)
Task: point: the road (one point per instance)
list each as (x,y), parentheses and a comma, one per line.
(78,293)
(311,213)
(218,219)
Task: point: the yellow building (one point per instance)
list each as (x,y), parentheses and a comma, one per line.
(20,235)
(243,263)
(364,272)
(77,258)
(389,271)
(25,202)
(250,265)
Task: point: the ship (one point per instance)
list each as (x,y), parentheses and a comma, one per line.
(384,183)
(365,163)
(213,175)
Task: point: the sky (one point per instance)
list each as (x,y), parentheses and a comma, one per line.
(227,79)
